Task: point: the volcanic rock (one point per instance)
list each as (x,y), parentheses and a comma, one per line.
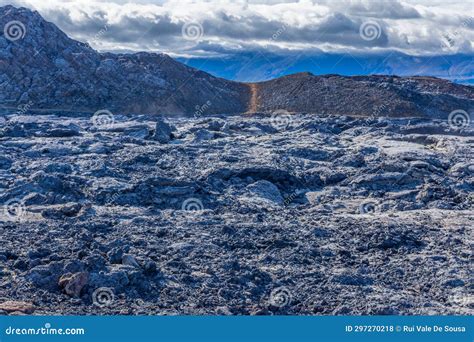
(17,306)
(72,284)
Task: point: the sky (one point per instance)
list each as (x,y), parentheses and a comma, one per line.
(223,36)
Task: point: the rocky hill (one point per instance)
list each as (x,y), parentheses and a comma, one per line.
(53,71)
(44,69)
(389,96)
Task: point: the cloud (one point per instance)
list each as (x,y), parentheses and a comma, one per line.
(413,27)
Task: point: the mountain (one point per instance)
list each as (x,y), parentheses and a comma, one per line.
(53,71)
(42,68)
(262,65)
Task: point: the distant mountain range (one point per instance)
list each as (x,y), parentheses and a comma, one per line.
(253,66)
(41,67)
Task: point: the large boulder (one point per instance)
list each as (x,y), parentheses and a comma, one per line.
(162,131)
(262,192)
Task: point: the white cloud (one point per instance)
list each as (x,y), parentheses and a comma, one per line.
(422,27)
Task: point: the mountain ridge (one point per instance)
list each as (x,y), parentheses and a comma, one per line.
(48,69)
(247,67)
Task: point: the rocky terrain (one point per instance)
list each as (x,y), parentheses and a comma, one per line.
(42,68)
(235,215)
(375,95)
(244,199)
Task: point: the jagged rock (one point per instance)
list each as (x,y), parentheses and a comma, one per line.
(431,192)
(454,283)
(72,284)
(66,210)
(216,125)
(462,169)
(162,132)
(313,197)
(351,160)
(388,179)
(62,132)
(116,278)
(265,190)
(115,254)
(48,182)
(138,132)
(130,260)
(150,267)
(17,306)
(45,276)
(58,168)
(203,134)
(39,253)
(74,266)
(21,265)
(95,263)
